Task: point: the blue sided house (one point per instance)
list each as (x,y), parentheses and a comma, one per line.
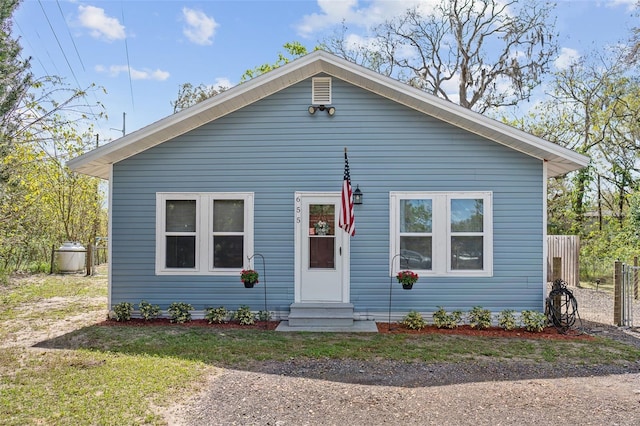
(252,178)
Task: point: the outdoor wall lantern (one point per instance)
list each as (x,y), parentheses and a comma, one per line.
(357,195)
(330,110)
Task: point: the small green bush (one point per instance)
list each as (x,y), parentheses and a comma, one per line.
(444,320)
(216,315)
(179,312)
(507,319)
(38,267)
(534,321)
(148,311)
(244,316)
(479,318)
(264,316)
(122,311)
(414,321)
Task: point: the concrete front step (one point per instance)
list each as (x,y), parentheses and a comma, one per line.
(321,315)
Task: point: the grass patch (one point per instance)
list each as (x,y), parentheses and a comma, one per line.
(120,375)
(41,287)
(85,387)
(235,348)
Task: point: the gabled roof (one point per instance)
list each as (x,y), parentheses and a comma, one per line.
(97,162)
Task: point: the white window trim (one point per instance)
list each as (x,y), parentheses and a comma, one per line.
(441,232)
(204,231)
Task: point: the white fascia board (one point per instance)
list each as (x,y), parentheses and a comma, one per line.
(96,162)
(463,118)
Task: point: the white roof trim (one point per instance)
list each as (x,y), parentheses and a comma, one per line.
(98,162)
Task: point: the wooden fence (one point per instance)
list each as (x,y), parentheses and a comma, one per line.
(566,247)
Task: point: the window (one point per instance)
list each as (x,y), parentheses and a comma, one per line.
(203,233)
(441,233)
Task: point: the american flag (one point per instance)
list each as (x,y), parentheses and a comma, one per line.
(347,220)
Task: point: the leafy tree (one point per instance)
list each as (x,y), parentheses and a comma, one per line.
(189,94)
(294,49)
(494,52)
(41,201)
(15,81)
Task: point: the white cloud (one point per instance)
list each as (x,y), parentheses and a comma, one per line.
(199,28)
(350,12)
(145,74)
(566,58)
(223,82)
(629,4)
(101,25)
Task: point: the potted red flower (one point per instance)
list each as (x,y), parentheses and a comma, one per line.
(249,277)
(407,279)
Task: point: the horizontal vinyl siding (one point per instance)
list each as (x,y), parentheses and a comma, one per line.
(275,147)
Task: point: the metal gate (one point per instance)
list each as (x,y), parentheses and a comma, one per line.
(627,294)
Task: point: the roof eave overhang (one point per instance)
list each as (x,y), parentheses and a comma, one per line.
(98,162)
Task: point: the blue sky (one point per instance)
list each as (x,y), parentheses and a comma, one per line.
(168,43)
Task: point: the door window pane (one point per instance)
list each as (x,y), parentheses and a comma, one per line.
(322,219)
(228,216)
(466,215)
(415,215)
(181,216)
(181,252)
(228,251)
(466,253)
(321,252)
(415,252)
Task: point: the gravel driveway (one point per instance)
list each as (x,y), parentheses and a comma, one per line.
(334,392)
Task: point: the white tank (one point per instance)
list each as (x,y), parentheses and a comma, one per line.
(71,257)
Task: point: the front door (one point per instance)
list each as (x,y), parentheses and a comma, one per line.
(322,250)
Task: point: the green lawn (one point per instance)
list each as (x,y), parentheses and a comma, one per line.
(125,375)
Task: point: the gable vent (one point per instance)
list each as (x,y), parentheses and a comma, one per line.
(321,88)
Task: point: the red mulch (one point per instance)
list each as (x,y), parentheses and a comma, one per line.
(462,330)
(159,322)
(466,330)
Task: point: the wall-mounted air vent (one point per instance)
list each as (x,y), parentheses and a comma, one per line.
(321,91)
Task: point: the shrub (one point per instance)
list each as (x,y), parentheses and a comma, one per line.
(122,311)
(244,316)
(443,320)
(148,311)
(216,315)
(479,318)
(264,316)
(507,319)
(179,312)
(414,321)
(534,321)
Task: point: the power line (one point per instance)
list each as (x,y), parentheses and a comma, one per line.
(23,37)
(70,36)
(60,45)
(126,48)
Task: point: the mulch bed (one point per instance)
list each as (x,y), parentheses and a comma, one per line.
(467,330)
(163,322)
(396,328)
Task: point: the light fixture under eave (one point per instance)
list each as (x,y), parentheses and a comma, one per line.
(357,195)
(330,110)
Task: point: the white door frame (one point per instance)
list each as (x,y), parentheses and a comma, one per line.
(301,232)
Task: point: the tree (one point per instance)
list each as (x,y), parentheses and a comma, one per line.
(15,80)
(493,52)
(189,94)
(41,201)
(294,49)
